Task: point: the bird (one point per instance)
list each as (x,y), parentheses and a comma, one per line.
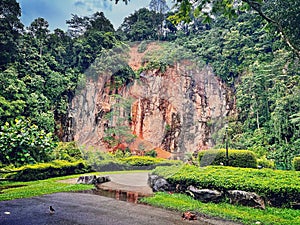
(51,209)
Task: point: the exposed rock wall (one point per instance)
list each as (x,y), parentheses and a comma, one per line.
(177,110)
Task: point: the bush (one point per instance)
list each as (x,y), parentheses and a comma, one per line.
(142,47)
(265,163)
(68,151)
(151,153)
(296,163)
(237,158)
(42,171)
(279,188)
(143,160)
(101,161)
(22,142)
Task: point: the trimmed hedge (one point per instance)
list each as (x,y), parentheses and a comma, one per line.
(141,160)
(130,163)
(237,158)
(42,171)
(279,188)
(296,163)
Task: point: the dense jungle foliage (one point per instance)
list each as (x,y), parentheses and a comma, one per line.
(40,71)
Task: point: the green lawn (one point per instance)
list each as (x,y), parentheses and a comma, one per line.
(246,215)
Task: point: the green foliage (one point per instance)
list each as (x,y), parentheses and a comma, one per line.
(280,188)
(42,171)
(118,130)
(143,24)
(236,158)
(142,160)
(142,47)
(151,153)
(101,161)
(22,142)
(68,151)
(296,163)
(265,163)
(242,214)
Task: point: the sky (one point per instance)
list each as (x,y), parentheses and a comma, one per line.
(56,12)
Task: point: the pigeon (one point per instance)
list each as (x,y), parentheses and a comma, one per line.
(51,209)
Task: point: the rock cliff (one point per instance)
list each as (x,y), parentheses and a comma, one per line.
(177,110)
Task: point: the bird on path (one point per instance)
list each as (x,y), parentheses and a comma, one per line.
(51,209)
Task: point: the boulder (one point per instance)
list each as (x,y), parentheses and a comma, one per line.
(158,183)
(92,179)
(151,179)
(205,195)
(246,198)
(103,179)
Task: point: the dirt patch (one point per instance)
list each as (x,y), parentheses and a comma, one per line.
(135,61)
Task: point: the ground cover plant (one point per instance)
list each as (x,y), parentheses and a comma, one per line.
(279,188)
(246,215)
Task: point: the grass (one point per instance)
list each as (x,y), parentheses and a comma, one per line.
(43,187)
(245,215)
(280,188)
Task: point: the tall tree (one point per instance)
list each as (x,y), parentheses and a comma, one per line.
(142,25)
(10,27)
(159,6)
(283,15)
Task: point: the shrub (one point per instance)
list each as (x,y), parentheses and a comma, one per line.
(152,153)
(142,160)
(22,142)
(279,188)
(68,151)
(100,161)
(142,47)
(296,163)
(42,171)
(265,163)
(237,158)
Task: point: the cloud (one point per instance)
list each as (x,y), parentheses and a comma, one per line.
(79,4)
(94,5)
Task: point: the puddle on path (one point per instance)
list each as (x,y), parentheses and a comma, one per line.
(127,196)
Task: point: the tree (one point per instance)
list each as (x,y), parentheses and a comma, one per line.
(142,25)
(77,25)
(283,15)
(10,27)
(118,130)
(39,29)
(159,6)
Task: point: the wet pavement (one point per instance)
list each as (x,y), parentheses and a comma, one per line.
(91,209)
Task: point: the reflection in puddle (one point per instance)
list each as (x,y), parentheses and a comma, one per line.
(127,196)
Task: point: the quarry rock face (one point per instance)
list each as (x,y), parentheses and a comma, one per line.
(177,110)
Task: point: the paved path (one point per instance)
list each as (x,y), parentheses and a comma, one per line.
(89,209)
